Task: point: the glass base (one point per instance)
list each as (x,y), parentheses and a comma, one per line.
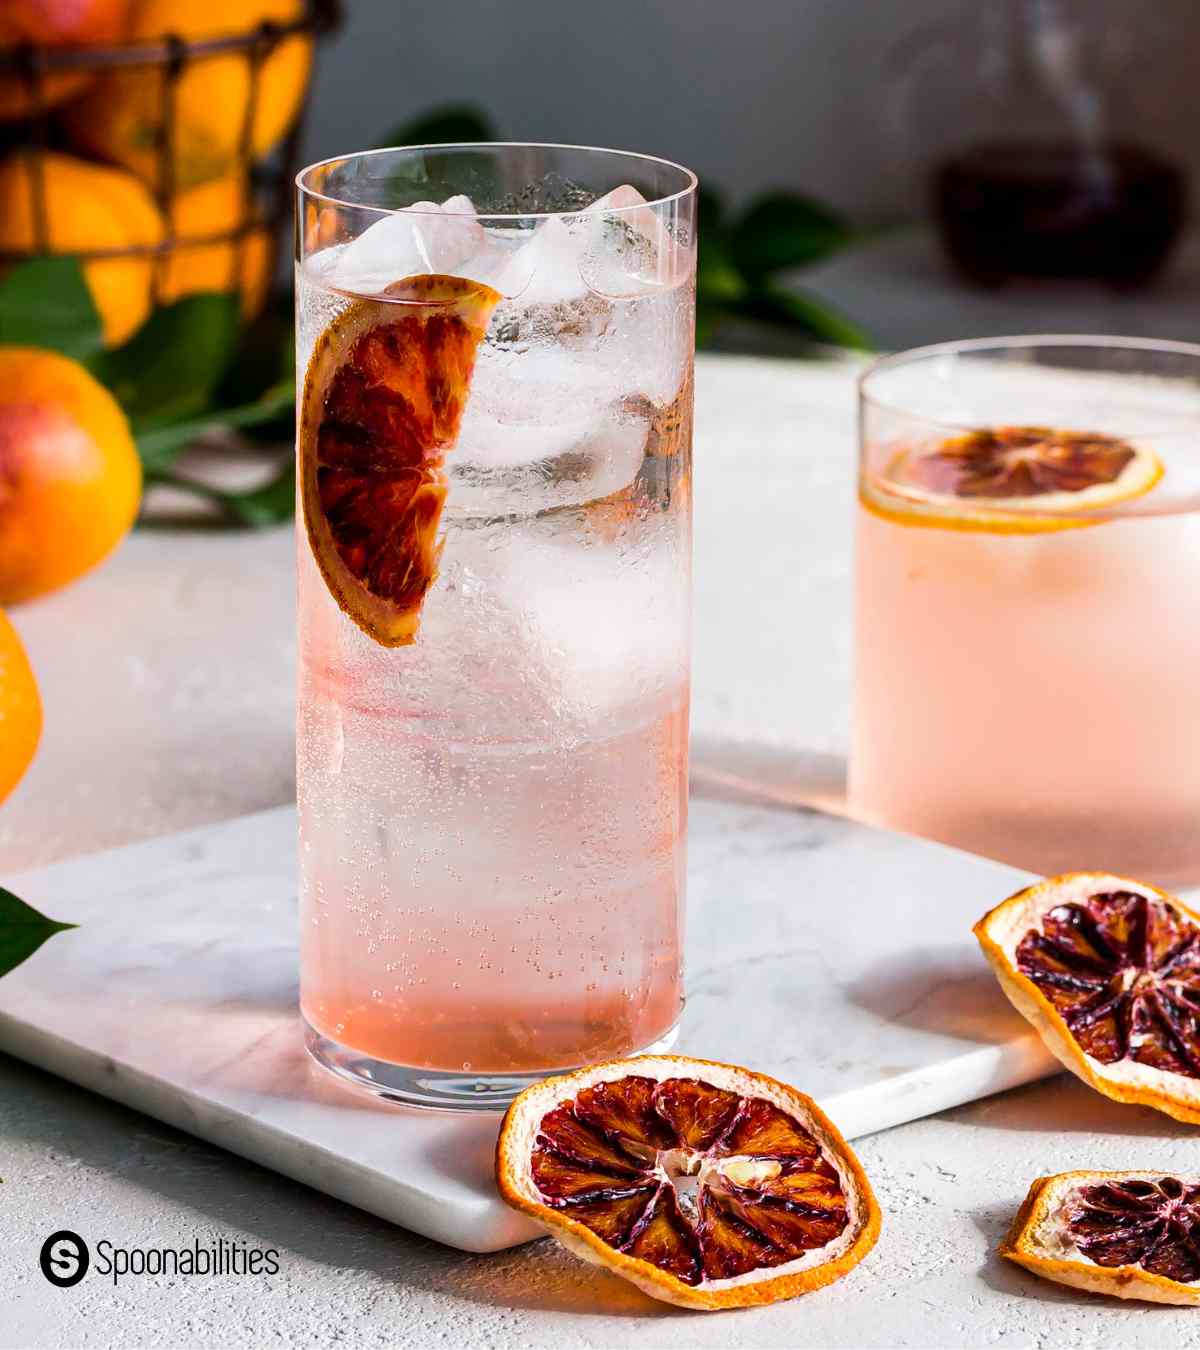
(436,1089)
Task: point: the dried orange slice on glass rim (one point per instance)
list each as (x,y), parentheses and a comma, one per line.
(1108,971)
(1011,480)
(383,401)
(1128,1234)
(705,1185)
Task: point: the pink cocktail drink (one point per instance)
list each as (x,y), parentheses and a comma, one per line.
(518,909)
(493,817)
(1025,670)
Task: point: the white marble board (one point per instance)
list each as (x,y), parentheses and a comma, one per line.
(831,955)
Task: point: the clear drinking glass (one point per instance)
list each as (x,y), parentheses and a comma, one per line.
(1026,663)
(493,789)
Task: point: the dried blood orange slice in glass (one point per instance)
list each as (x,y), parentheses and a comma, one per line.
(1108,971)
(1011,480)
(705,1185)
(383,400)
(1128,1234)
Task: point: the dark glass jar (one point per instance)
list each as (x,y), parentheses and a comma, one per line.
(1051,134)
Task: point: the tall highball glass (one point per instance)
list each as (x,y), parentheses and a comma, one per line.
(494,347)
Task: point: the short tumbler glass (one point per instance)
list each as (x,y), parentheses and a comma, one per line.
(1027,639)
(494,345)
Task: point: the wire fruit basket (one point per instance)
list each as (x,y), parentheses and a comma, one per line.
(198,137)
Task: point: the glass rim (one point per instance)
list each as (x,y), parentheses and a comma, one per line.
(690,185)
(957,346)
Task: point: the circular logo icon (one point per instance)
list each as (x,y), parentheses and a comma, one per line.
(65,1258)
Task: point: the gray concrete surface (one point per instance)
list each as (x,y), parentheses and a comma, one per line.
(948,1187)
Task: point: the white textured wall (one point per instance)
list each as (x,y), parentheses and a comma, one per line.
(750,93)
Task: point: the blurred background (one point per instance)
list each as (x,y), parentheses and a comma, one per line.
(777,93)
(856,105)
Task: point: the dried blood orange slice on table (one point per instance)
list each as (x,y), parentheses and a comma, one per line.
(1128,1234)
(1011,480)
(383,401)
(705,1185)
(1108,971)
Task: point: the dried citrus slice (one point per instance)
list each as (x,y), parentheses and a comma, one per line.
(1128,1234)
(1011,480)
(383,400)
(1108,971)
(705,1185)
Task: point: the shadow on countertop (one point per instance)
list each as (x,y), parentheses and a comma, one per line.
(209,1188)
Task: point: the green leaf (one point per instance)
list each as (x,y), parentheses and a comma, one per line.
(279,429)
(450,125)
(434,176)
(266,355)
(708,320)
(160,445)
(260,507)
(22,930)
(717,279)
(805,314)
(784,230)
(268,505)
(710,209)
(170,367)
(46,303)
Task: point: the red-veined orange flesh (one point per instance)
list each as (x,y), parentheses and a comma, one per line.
(1108,971)
(705,1185)
(383,401)
(1124,1234)
(1011,480)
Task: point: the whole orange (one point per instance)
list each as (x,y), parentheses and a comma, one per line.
(70,477)
(55,23)
(88,206)
(20,709)
(209,209)
(121,116)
